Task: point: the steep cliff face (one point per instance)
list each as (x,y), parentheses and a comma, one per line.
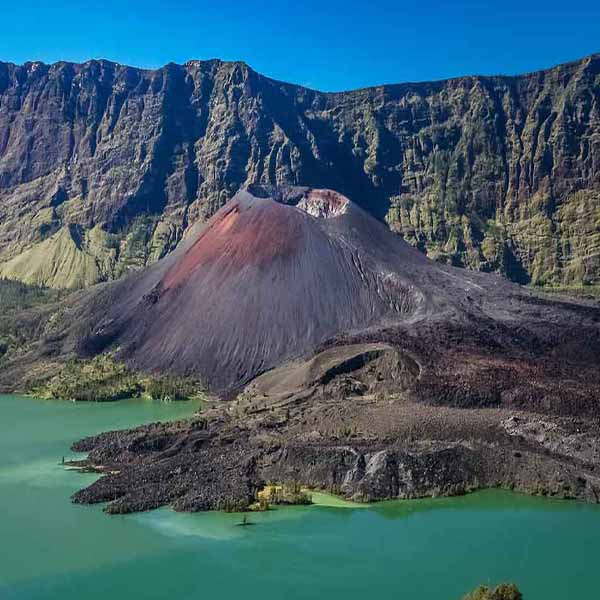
(104,167)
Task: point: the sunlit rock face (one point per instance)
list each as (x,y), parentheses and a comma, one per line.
(104,167)
(324,204)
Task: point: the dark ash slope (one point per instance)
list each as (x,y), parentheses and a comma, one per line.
(272,276)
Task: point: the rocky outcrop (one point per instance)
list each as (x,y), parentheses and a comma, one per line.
(104,167)
(222,458)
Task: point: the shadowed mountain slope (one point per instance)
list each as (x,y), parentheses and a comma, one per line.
(104,167)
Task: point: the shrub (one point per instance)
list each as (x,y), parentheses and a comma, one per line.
(288,493)
(103,379)
(505,591)
(169,387)
(100,379)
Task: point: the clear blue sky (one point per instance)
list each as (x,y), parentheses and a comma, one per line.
(329,45)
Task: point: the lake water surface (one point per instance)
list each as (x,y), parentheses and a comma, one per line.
(417,550)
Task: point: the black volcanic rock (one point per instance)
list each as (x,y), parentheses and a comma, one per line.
(103,167)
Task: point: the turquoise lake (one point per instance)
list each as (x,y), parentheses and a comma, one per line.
(416,550)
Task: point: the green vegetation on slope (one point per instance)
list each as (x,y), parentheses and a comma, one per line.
(505,591)
(588,292)
(74,257)
(67,259)
(23,311)
(538,245)
(491,173)
(102,379)
(16,295)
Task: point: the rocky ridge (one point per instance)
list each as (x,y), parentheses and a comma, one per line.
(105,167)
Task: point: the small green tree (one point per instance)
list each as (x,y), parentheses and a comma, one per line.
(505,591)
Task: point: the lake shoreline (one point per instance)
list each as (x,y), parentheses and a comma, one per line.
(217,461)
(350,552)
